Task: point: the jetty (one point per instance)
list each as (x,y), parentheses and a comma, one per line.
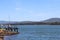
(8,31)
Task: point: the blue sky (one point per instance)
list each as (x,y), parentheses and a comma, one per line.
(29,10)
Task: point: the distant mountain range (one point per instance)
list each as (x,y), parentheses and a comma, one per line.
(52,20)
(48,21)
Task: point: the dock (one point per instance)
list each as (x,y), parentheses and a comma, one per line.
(8,32)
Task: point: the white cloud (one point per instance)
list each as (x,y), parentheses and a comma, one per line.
(18,8)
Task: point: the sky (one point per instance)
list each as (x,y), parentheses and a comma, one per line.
(29,10)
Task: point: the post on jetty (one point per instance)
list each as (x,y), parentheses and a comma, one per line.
(8,32)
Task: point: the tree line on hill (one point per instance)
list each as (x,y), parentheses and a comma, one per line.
(37,23)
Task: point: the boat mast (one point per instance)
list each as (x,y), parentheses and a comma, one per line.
(9,21)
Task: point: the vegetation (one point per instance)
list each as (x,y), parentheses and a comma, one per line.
(38,23)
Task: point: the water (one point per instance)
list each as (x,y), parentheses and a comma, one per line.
(37,32)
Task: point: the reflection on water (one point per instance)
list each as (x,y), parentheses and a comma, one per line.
(37,32)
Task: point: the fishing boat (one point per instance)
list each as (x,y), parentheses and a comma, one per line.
(7,30)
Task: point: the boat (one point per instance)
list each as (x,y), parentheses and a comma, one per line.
(7,30)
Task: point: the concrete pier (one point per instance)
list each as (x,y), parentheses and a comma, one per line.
(4,32)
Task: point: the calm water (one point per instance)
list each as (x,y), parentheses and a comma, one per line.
(37,32)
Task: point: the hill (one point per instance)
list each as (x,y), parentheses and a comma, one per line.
(51,21)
